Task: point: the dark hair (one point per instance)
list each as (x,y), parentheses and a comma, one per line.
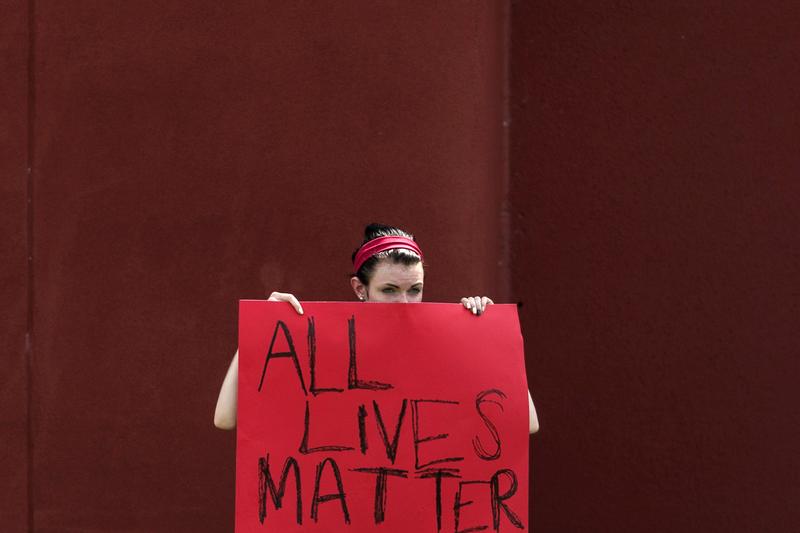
(396,255)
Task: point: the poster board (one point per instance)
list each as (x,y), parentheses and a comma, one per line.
(380,417)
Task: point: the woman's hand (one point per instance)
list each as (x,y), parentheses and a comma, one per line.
(225,413)
(477,304)
(286,297)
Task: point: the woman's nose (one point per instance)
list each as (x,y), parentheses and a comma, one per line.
(404,298)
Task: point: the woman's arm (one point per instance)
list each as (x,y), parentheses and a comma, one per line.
(533,420)
(225,413)
(477,305)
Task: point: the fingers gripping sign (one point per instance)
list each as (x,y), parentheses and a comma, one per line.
(286,297)
(476,304)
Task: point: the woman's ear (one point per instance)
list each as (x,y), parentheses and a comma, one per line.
(359,288)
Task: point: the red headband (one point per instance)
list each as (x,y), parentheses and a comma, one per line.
(381,244)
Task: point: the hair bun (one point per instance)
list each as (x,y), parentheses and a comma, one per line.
(375,230)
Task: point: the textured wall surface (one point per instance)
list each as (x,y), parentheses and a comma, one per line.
(186,155)
(13,266)
(655,163)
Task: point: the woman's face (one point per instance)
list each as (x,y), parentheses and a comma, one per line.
(392,282)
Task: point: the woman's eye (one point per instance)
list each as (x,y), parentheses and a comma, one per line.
(388,290)
(415,290)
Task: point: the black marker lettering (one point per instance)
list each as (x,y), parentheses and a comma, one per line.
(381,492)
(362,429)
(438,474)
(266,485)
(476,442)
(291,353)
(304,449)
(391,449)
(312,360)
(419,440)
(353,382)
(459,504)
(497,499)
(338,495)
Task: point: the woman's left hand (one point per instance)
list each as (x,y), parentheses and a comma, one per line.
(477,304)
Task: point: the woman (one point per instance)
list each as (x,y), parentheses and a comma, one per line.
(388,268)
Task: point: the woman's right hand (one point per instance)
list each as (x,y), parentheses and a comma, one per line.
(225,413)
(286,297)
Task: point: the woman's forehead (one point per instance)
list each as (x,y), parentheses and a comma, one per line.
(397,273)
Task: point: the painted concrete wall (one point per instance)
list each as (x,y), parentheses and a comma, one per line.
(655,188)
(186,155)
(14,270)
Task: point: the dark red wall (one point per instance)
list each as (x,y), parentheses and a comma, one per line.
(186,155)
(656,197)
(14,269)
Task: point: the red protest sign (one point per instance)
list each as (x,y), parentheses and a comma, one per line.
(360,417)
